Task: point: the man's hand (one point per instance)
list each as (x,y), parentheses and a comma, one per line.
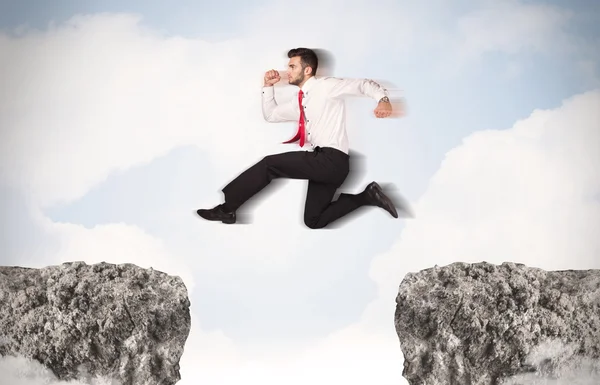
(384,109)
(271,77)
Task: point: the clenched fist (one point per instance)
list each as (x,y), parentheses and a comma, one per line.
(393,108)
(383,109)
(271,77)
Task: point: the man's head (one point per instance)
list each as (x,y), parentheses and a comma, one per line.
(302,65)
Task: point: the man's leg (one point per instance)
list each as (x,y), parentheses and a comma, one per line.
(320,211)
(294,165)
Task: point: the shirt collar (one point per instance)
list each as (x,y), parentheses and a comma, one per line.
(309,84)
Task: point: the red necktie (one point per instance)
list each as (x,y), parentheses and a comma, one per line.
(300,134)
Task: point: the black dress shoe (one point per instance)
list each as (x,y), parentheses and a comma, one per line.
(375,196)
(217,213)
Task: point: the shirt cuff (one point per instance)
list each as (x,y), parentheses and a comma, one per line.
(381,94)
(268,91)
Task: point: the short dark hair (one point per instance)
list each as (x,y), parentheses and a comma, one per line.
(308,58)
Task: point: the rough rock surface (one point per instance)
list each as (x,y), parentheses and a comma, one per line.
(117,322)
(498,325)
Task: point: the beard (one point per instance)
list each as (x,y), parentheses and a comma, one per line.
(298,80)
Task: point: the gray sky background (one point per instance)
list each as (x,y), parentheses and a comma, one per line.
(118,121)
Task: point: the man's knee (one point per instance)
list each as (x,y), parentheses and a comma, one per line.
(271,162)
(313,222)
(266,160)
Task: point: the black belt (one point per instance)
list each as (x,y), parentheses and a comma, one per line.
(331,150)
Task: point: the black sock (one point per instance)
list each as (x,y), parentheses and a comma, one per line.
(362,198)
(226,208)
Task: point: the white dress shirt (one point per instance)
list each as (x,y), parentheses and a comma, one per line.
(324,108)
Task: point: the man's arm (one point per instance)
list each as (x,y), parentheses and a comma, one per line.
(357,87)
(362,87)
(275,113)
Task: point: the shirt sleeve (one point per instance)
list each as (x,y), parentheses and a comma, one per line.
(275,113)
(356,87)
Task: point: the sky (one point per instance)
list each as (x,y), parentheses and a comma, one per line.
(118,121)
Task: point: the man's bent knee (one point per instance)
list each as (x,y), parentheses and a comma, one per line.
(266,161)
(313,222)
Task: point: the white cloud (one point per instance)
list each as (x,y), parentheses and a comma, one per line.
(102,93)
(350,356)
(23,371)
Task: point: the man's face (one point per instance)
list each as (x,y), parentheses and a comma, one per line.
(295,72)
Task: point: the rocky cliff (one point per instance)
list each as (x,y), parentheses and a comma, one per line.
(83,321)
(497,325)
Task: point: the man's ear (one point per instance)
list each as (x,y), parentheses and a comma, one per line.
(308,71)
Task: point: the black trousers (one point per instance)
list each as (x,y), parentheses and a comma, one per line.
(325,169)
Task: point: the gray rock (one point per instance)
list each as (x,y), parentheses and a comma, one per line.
(120,322)
(476,324)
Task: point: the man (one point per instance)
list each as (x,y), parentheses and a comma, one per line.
(320,111)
